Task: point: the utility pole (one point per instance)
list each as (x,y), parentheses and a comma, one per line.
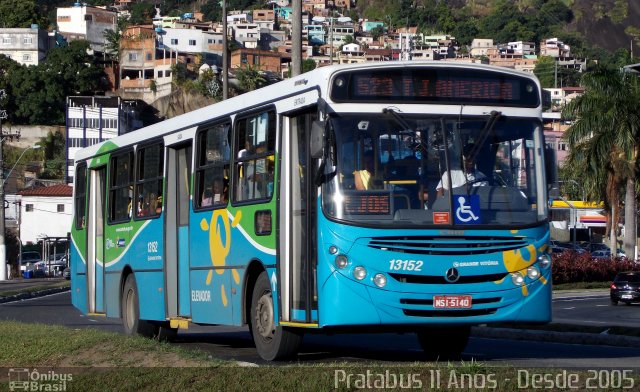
(225,54)
(296,38)
(3,248)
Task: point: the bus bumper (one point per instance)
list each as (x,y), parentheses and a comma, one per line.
(356,303)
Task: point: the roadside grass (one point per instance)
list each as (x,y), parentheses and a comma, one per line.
(29,345)
(35,289)
(92,360)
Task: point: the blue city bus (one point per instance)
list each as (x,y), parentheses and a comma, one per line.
(321,204)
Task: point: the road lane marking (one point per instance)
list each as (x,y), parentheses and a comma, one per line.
(573,307)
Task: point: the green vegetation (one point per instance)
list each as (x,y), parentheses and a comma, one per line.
(605,143)
(98,361)
(35,289)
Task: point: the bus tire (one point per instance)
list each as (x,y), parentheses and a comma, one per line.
(272,342)
(131,311)
(444,343)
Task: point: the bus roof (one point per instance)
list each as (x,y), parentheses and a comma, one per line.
(316,79)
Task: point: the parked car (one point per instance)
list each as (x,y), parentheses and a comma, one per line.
(606,254)
(66,273)
(559,247)
(626,288)
(54,265)
(29,258)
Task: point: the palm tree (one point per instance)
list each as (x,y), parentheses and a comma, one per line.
(606,139)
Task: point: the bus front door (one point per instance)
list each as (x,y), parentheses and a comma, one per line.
(177,232)
(95,243)
(298,198)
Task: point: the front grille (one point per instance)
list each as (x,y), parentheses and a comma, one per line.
(448,246)
(476,301)
(449,313)
(439,279)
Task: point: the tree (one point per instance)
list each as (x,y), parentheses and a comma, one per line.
(249,78)
(112,45)
(606,132)
(53,146)
(545,71)
(42,89)
(20,14)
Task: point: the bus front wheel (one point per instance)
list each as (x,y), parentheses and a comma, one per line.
(443,343)
(272,341)
(131,311)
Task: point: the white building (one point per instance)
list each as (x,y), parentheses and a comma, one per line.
(480,46)
(86,22)
(45,212)
(26,46)
(194,41)
(91,120)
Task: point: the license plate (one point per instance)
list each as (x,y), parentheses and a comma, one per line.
(452,301)
(627,296)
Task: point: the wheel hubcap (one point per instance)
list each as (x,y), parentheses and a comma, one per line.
(264,316)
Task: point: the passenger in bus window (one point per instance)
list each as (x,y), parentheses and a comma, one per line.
(470,175)
(159,205)
(207,197)
(366,178)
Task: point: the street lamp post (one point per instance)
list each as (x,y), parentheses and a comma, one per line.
(3,248)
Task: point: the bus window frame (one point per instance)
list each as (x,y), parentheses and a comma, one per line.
(236,161)
(77,197)
(199,168)
(138,182)
(112,188)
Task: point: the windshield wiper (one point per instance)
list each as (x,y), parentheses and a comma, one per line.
(494,116)
(397,117)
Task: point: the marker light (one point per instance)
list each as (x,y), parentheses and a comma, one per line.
(380,280)
(341,261)
(517,278)
(333,249)
(533,272)
(359,273)
(545,261)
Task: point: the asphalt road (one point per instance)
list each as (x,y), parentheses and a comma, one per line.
(235,343)
(594,309)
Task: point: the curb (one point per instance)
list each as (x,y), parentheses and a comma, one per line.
(33,294)
(557,337)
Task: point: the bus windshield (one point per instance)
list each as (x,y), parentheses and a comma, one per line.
(393,169)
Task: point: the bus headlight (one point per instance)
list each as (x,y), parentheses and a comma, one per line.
(517,278)
(359,272)
(341,261)
(333,249)
(544,261)
(380,280)
(533,272)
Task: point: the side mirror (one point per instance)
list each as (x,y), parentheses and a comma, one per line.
(316,139)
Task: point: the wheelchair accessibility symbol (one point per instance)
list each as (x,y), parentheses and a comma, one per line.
(467,209)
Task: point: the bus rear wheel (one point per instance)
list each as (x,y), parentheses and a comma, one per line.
(131,311)
(444,343)
(273,342)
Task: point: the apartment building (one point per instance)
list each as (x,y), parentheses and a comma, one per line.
(26,46)
(263,60)
(91,120)
(86,22)
(145,70)
(480,46)
(191,43)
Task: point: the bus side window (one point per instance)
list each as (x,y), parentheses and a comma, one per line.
(121,188)
(149,180)
(80,196)
(255,152)
(212,166)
